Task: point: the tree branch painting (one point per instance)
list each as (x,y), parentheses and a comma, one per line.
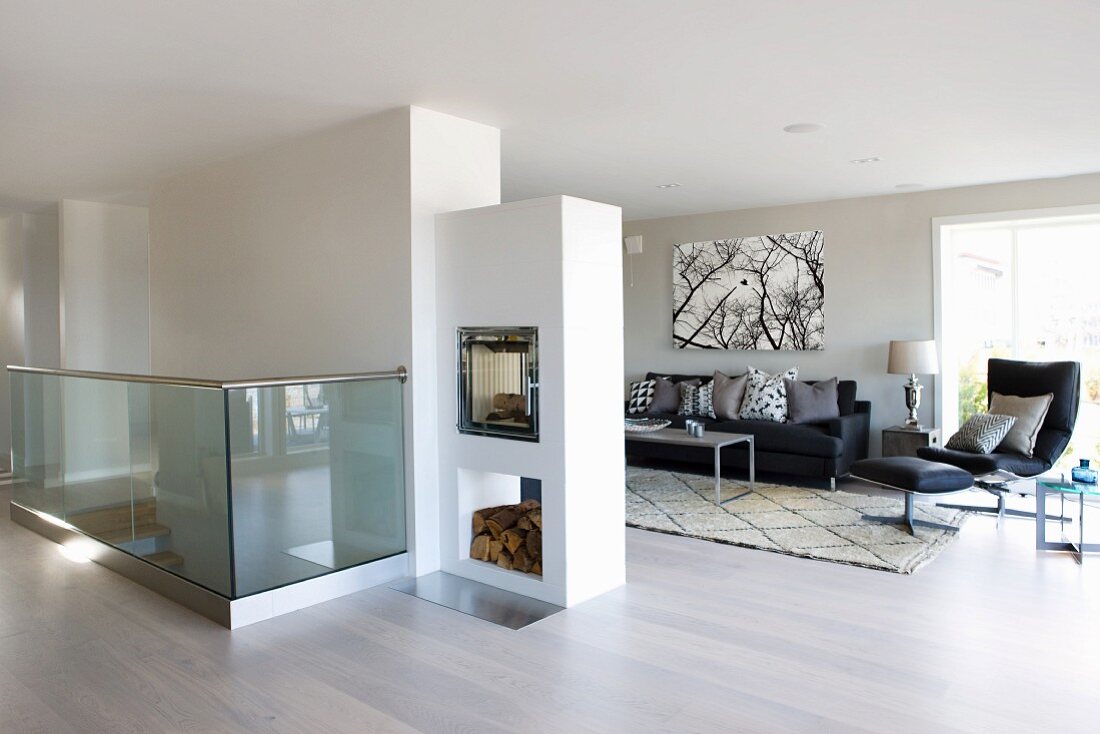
(763,292)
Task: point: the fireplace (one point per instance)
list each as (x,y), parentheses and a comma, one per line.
(498,382)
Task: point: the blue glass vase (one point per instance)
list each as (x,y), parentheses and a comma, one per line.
(1083,473)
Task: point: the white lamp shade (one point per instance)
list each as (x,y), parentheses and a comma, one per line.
(633,244)
(913,358)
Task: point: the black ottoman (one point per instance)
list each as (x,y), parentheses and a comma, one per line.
(912,476)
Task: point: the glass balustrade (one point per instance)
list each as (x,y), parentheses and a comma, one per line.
(237,487)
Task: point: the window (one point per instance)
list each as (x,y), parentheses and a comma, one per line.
(1019,288)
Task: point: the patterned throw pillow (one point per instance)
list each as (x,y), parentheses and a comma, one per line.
(981,433)
(697,400)
(766,396)
(641,396)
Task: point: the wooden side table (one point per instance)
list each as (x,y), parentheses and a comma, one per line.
(902,441)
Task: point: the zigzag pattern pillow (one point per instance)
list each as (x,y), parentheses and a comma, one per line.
(697,400)
(981,433)
(641,396)
(766,396)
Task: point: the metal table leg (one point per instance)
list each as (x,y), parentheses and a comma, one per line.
(718,475)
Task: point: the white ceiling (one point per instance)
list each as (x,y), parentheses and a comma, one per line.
(599,98)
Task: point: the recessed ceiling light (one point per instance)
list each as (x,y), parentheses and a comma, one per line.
(668,186)
(872,159)
(804,127)
(906,186)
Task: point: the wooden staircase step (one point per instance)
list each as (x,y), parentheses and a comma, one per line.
(118,517)
(168,559)
(122,535)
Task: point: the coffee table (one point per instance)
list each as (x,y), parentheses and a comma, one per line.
(1057,484)
(713,440)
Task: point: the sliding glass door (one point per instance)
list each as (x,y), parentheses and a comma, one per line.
(1021,289)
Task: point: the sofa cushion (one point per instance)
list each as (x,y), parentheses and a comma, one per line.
(785,438)
(766,396)
(812,402)
(696,400)
(666,396)
(729,392)
(641,396)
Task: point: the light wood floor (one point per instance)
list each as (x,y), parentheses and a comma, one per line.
(991,637)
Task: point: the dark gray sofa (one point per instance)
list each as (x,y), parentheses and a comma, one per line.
(826,450)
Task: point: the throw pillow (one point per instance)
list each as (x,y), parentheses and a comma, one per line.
(812,403)
(697,399)
(666,396)
(729,393)
(1029,414)
(641,396)
(766,396)
(981,433)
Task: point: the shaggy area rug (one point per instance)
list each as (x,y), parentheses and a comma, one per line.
(813,523)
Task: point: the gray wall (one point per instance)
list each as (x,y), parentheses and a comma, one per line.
(878,281)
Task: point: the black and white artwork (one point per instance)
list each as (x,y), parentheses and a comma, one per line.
(764,292)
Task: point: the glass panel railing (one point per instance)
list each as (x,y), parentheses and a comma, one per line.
(178,465)
(313,482)
(328,493)
(36,443)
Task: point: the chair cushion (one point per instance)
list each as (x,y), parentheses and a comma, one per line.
(1029,414)
(913,475)
(981,433)
(786,438)
(979,464)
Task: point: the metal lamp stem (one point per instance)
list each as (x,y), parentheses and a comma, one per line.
(912,401)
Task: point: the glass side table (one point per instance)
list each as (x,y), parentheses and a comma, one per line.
(1058,484)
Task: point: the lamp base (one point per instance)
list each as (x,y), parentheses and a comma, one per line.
(913,390)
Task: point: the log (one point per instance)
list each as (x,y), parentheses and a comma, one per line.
(536,567)
(521,561)
(479,549)
(480,516)
(504,560)
(535,516)
(528,505)
(495,547)
(524,523)
(533,544)
(514,539)
(501,521)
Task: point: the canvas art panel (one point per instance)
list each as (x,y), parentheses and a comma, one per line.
(761,292)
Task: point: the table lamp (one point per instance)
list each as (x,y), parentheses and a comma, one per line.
(913,358)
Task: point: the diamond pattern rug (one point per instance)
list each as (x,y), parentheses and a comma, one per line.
(813,523)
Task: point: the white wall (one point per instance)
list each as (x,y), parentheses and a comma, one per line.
(878,282)
(317,256)
(104,265)
(41,289)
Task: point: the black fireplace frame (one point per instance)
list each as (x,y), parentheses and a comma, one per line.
(497,335)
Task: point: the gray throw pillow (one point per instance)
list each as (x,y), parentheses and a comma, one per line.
(814,403)
(728,394)
(666,396)
(981,433)
(1029,414)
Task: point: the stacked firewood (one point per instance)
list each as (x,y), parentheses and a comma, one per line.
(509,536)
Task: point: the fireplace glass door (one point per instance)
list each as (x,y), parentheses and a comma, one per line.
(498,382)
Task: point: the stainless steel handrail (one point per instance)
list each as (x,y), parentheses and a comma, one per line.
(400,373)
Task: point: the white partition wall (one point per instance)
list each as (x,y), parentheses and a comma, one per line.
(555,264)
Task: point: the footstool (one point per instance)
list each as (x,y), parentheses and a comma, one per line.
(912,476)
